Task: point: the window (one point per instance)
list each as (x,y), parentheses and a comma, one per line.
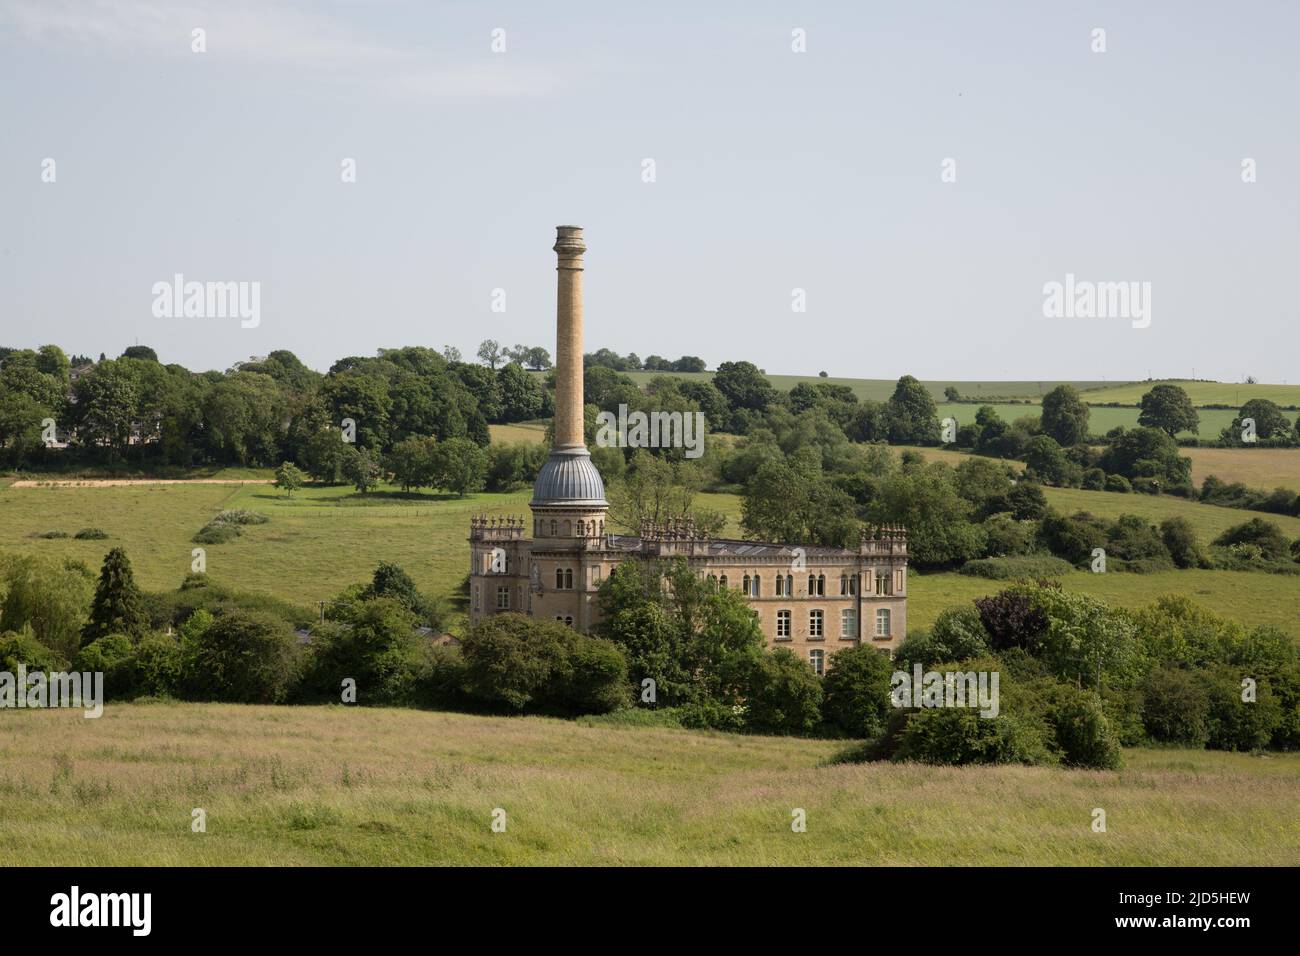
(568,621)
(564,579)
(848,622)
(821,584)
(783,625)
(756,592)
(844,584)
(564,620)
(816,620)
(853,584)
(568,579)
(882,622)
(553,527)
(898,581)
(789,585)
(882,583)
(817,658)
(812,584)
(722,581)
(503,599)
(595,575)
(780,586)
(745,584)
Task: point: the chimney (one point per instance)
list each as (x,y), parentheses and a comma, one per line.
(569,247)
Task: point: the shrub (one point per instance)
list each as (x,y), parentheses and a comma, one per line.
(951,735)
(216,534)
(1011,620)
(783,694)
(1118,483)
(114,656)
(710,714)
(440,679)
(21,647)
(1084,735)
(53,534)
(515,663)
(242,657)
(1013,568)
(1094,479)
(1231,722)
(1179,538)
(239,516)
(1073,539)
(1264,535)
(91,534)
(1175,707)
(377,648)
(1007,537)
(1137,545)
(855,691)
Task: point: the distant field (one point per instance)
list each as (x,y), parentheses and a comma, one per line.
(1209,520)
(880,389)
(1201,393)
(1266,468)
(525,432)
(1243,596)
(352,786)
(1100,420)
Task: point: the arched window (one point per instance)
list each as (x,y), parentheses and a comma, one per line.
(568,579)
(552,527)
(757,592)
(780,586)
(853,584)
(844,584)
(821,584)
(722,581)
(812,584)
(789,585)
(559,579)
(744,585)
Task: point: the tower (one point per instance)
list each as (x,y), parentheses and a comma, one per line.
(568,505)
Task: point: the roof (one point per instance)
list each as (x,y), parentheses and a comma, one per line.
(569,479)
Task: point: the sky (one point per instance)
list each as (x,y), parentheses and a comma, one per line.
(921,171)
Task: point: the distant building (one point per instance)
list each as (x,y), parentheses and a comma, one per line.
(811,599)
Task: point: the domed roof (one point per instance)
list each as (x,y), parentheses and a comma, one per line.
(569,478)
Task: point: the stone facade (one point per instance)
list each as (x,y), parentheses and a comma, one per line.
(813,600)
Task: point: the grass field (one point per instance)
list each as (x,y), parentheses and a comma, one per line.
(1201,393)
(523,432)
(329,785)
(1209,520)
(1266,468)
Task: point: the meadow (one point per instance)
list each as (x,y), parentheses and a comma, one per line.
(1100,419)
(1201,393)
(339,786)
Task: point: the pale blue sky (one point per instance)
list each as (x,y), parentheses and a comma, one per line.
(775,170)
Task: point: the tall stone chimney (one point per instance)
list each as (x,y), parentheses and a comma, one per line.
(569,247)
(568,479)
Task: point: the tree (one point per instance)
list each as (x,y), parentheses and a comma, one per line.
(1271,424)
(1264,535)
(856,691)
(743,385)
(537,358)
(451,353)
(1180,540)
(912,415)
(411,462)
(106,403)
(49,600)
(118,606)
(459,465)
(1049,464)
(289,478)
(489,352)
(243,657)
(783,694)
(361,469)
(1065,416)
(1169,408)
(521,394)
(141,352)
